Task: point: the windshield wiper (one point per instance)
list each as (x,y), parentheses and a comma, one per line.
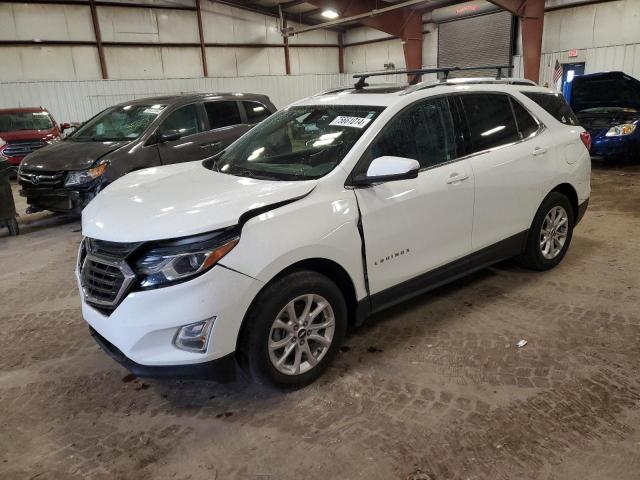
(107,139)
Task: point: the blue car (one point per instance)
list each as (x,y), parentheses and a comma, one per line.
(608,107)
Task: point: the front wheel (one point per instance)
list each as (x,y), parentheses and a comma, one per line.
(294,329)
(550,233)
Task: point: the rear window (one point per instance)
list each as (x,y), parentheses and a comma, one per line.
(555,105)
(222,114)
(490,120)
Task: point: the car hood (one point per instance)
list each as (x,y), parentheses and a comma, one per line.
(611,89)
(69,155)
(18,135)
(179,200)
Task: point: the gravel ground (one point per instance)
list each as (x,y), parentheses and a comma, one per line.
(434,389)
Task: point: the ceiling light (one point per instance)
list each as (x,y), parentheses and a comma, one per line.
(330,14)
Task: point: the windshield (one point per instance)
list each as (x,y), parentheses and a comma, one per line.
(12,122)
(118,123)
(299,143)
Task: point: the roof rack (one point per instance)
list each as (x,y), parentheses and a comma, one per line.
(445,71)
(469,81)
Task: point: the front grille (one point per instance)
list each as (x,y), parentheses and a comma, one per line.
(21,149)
(105,279)
(36,179)
(102,281)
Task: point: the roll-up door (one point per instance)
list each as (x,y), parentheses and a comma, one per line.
(481,40)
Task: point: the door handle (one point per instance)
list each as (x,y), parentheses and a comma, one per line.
(210,145)
(457,178)
(539,151)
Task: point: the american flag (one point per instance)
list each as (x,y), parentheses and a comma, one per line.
(557,72)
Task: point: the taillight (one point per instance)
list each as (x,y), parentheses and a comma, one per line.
(586,139)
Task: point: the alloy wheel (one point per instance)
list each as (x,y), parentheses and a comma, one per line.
(301,334)
(554,232)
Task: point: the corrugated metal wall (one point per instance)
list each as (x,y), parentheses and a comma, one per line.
(76,101)
(605,36)
(179,57)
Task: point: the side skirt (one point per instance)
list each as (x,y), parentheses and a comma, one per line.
(473,262)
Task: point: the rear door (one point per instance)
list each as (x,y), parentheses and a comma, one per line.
(224,124)
(192,144)
(414,226)
(506,145)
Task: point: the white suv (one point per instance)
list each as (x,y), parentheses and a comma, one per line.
(332,209)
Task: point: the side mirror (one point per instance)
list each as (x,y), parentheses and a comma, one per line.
(388,169)
(170,136)
(65,126)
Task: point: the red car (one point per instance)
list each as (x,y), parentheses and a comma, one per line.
(23,130)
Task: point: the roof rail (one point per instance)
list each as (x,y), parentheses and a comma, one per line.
(445,71)
(469,81)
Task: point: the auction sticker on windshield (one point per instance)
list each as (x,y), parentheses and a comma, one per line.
(355,122)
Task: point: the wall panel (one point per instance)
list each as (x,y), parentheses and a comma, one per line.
(49,63)
(313,60)
(22,21)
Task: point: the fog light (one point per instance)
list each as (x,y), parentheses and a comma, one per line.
(195,336)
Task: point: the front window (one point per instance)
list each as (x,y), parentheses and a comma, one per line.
(118,123)
(299,143)
(18,121)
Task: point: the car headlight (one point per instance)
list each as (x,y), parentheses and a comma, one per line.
(79,177)
(182,259)
(621,130)
(53,140)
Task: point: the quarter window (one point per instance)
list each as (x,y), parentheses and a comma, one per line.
(222,114)
(555,105)
(490,119)
(423,132)
(527,125)
(185,120)
(256,112)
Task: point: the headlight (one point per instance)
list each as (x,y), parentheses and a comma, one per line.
(53,140)
(180,260)
(79,177)
(621,130)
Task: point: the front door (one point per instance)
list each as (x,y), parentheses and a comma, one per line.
(192,144)
(411,227)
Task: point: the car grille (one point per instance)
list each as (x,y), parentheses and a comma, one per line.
(20,149)
(37,179)
(105,276)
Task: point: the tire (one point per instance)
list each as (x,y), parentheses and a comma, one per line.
(303,289)
(540,254)
(12,225)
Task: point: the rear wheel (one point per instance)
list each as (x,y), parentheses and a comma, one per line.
(550,233)
(12,225)
(294,329)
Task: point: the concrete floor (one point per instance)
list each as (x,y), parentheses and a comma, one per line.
(434,389)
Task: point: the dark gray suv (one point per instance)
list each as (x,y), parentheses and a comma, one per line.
(65,176)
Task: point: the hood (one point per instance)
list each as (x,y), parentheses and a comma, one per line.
(179,200)
(611,89)
(29,135)
(69,155)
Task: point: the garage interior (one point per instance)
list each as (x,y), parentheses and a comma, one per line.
(439,387)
